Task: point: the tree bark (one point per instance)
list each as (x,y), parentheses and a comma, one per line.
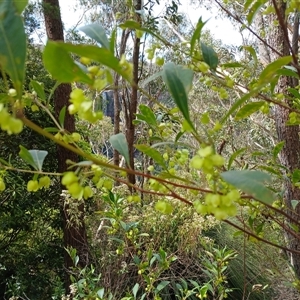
(74,234)
(130,133)
(290,154)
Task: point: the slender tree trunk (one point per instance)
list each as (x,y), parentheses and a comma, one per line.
(290,155)
(130,133)
(74,234)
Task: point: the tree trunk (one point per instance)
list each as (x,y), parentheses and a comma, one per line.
(290,154)
(74,234)
(130,133)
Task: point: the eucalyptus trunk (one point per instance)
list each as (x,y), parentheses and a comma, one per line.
(278,38)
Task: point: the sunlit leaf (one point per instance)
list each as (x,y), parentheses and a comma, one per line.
(252,183)
(97,33)
(12,42)
(249,109)
(148,114)
(119,143)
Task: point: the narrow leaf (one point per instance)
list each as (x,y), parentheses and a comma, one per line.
(135,290)
(12,43)
(97,33)
(38,157)
(196,35)
(61,116)
(234,156)
(27,157)
(277,149)
(119,143)
(252,52)
(61,66)
(252,183)
(249,109)
(209,56)
(153,153)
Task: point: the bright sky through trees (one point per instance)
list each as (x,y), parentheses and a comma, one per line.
(220,28)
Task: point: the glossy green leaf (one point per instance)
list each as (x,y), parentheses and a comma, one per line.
(119,143)
(27,157)
(97,33)
(234,156)
(209,56)
(12,43)
(252,183)
(196,34)
(61,66)
(148,114)
(153,153)
(61,117)
(271,69)
(249,109)
(38,157)
(177,84)
(39,89)
(20,5)
(277,149)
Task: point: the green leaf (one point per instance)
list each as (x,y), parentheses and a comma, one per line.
(131,24)
(97,33)
(287,72)
(61,116)
(252,52)
(100,293)
(196,35)
(294,92)
(149,116)
(151,78)
(12,43)
(296,176)
(271,69)
(294,203)
(209,56)
(38,157)
(248,110)
(101,55)
(252,183)
(119,143)
(112,41)
(237,104)
(38,88)
(27,157)
(234,156)
(177,88)
(277,149)
(162,285)
(135,290)
(20,5)
(153,153)
(254,9)
(61,66)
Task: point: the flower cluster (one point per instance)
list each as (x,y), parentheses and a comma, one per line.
(9,123)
